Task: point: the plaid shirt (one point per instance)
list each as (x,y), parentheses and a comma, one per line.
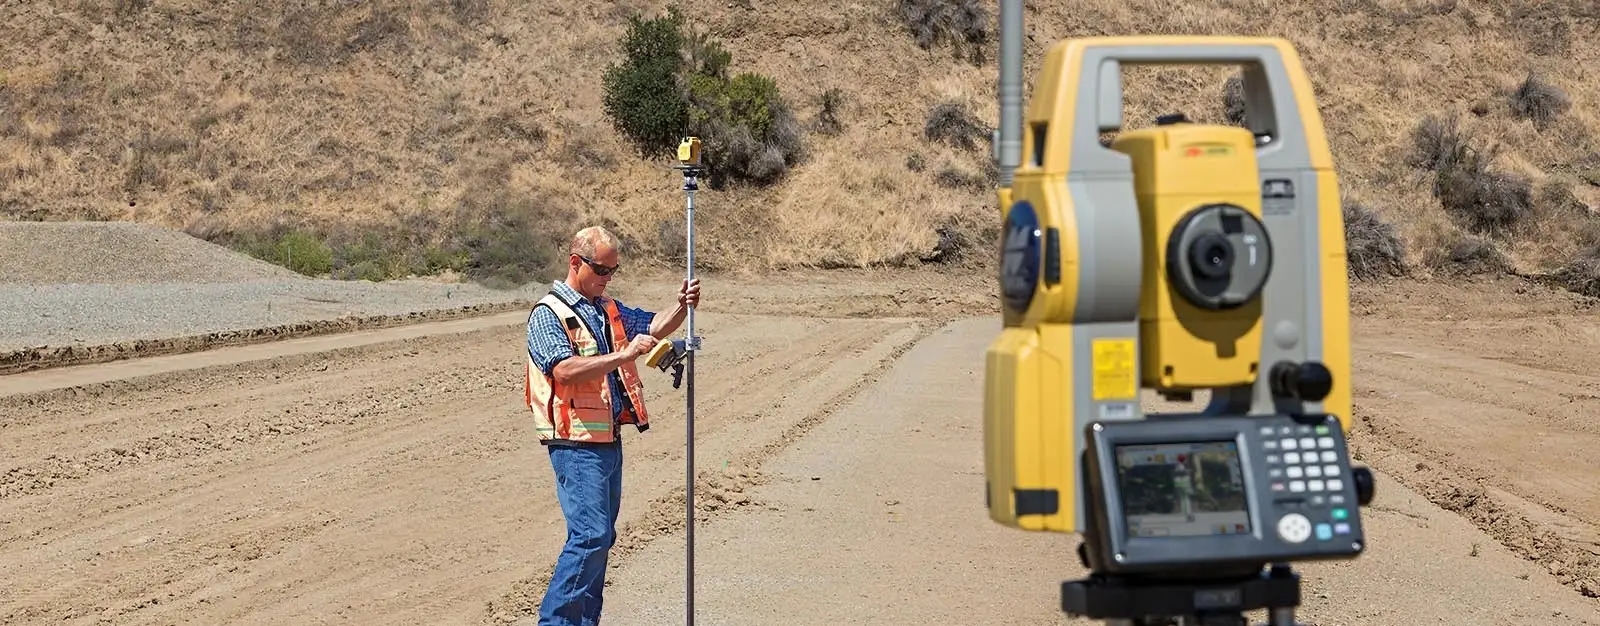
(548,343)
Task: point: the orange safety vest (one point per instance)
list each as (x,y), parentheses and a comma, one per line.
(582,412)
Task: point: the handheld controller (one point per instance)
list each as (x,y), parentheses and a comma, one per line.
(1213,492)
(1177,258)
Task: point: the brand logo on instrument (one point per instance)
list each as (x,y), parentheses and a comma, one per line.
(1207,150)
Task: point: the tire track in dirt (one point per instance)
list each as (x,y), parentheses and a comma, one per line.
(173,429)
(1494,441)
(1563,546)
(141,502)
(387,483)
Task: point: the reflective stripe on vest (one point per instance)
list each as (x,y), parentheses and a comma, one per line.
(582,411)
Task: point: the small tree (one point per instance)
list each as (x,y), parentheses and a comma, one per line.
(673,83)
(643,96)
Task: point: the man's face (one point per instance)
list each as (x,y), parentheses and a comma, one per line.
(595,272)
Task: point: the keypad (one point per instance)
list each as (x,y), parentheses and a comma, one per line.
(1306,474)
(1302,460)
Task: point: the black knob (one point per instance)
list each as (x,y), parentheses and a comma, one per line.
(1365,486)
(1309,381)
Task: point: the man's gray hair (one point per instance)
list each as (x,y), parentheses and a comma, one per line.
(587,242)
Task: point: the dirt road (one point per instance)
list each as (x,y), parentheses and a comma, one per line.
(398,483)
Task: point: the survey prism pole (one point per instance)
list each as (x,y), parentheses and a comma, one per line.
(689,164)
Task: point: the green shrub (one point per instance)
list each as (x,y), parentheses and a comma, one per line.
(642,94)
(377,255)
(500,238)
(304,253)
(672,82)
(748,132)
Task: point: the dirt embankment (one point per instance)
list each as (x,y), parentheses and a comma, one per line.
(240,116)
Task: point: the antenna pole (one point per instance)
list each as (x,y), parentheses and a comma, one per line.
(1008,140)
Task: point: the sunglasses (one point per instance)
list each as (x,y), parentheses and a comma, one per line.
(601,270)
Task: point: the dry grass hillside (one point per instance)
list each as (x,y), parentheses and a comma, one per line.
(397,136)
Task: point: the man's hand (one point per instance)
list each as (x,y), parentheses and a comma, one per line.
(641,345)
(665,322)
(689,292)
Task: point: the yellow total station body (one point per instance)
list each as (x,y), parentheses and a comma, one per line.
(1183,257)
(1188,178)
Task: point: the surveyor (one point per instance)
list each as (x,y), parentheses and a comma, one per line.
(582,386)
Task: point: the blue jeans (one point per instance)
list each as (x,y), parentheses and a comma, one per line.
(589,487)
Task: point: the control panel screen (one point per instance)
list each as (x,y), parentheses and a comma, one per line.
(1185,489)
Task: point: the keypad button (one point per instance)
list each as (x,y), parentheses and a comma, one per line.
(1340,514)
(1315,471)
(1324,532)
(1277,486)
(1329,456)
(1274,459)
(1325,442)
(1289,444)
(1318,500)
(1270,444)
(1316,485)
(1276,472)
(1297,486)
(1308,443)
(1336,498)
(1295,471)
(1335,485)
(1341,528)
(1267,431)
(1330,470)
(1292,457)
(1294,528)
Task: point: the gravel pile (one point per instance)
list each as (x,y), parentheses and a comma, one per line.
(57,315)
(95,283)
(43,253)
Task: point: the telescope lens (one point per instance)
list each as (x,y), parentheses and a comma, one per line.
(1211,256)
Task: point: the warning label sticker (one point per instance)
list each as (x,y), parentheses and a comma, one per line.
(1114,375)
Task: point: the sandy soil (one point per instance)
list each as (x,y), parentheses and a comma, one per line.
(392,478)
